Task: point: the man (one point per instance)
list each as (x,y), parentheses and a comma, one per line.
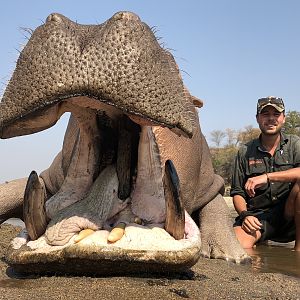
(266,181)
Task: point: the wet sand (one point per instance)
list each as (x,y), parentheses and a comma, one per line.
(208,279)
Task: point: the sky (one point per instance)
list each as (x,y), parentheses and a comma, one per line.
(230,54)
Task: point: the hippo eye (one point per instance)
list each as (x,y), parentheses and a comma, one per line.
(114,191)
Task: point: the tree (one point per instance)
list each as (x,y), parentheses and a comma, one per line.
(223,161)
(217,136)
(292,123)
(231,136)
(223,157)
(249,133)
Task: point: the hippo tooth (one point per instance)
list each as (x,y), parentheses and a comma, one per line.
(83,234)
(127,156)
(83,163)
(117,233)
(34,212)
(175,219)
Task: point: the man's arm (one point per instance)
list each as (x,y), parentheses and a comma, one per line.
(239,203)
(253,183)
(250,223)
(238,175)
(290,175)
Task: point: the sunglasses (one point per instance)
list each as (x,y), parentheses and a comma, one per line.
(271,100)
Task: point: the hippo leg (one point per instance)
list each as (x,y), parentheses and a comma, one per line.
(11,199)
(218,238)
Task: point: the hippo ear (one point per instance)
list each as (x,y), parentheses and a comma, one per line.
(196,101)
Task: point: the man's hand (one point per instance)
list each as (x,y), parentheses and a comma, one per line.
(251,224)
(254,183)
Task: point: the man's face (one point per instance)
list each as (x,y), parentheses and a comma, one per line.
(270,120)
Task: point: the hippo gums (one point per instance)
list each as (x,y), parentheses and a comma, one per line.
(133,187)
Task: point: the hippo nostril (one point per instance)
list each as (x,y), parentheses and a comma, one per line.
(126,15)
(54,18)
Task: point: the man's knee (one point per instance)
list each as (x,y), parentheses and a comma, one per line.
(297,198)
(296,189)
(293,202)
(246,240)
(295,192)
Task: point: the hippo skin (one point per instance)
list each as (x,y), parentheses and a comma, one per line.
(133,154)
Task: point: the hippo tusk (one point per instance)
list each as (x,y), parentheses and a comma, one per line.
(175,219)
(34,212)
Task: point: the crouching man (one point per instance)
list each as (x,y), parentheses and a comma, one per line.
(266,181)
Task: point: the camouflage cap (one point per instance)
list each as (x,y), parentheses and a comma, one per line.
(276,102)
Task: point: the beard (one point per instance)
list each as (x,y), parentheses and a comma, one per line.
(271,132)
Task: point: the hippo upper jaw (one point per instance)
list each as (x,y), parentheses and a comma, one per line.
(119,63)
(43,118)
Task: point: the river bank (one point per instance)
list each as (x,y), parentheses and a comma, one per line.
(208,279)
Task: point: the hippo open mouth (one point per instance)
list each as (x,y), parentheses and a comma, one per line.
(116,197)
(110,196)
(114,176)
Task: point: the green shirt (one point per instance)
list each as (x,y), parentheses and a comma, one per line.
(252,160)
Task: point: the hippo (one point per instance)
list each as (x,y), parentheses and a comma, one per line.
(133,187)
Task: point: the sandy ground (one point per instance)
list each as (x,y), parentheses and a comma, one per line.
(208,279)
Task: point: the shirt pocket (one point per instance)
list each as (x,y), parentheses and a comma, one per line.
(256,168)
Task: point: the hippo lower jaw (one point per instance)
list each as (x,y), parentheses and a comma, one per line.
(133,188)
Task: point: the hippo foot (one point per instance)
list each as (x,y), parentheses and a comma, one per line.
(218,238)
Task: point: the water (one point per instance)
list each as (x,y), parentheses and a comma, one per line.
(271,257)
(15,222)
(275,258)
